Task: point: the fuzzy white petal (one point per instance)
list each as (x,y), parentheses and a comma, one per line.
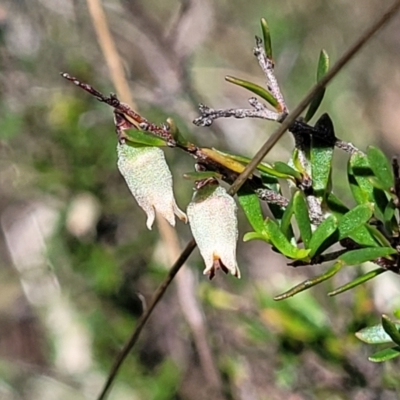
(213,221)
(150,181)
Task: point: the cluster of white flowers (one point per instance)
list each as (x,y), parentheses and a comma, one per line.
(212,212)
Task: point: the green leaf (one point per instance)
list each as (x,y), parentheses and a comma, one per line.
(255,236)
(359,256)
(323,65)
(378,236)
(321,154)
(138,138)
(391,329)
(223,159)
(381,201)
(256,89)
(314,105)
(363,236)
(359,175)
(321,166)
(286,227)
(302,217)
(200,175)
(251,207)
(385,355)
(380,166)
(376,183)
(334,269)
(358,171)
(176,133)
(321,234)
(285,169)
(354,219)
(298,163)
(389,214)
(389,211)
(358,281)
(267,38)
(322,69)
(262,167)
(279,240)
(374,334)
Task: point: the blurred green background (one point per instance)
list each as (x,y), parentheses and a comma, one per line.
(77,263)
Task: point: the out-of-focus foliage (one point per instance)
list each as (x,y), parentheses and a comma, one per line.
(77,262)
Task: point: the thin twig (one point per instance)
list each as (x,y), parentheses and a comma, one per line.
(260,111)
(109,50)
(159,293)
(191,308)
(267,66)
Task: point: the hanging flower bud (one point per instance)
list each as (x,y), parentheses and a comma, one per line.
(150,181)
(213,221)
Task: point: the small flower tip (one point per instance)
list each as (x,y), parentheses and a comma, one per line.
(180,214)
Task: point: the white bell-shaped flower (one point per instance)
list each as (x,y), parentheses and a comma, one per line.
(212,215)
(149,179)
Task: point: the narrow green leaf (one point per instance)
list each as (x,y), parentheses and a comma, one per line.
(359,256)
(271,172)
(302,217)
(380,166)
(279,240)
(334,269)
(389,211)
(176,133)
(385,355)
(381,201)
(321,154)
(256,236)
(256,89)
(298,163)
(358,171)
(376,183)
(354,219)
(323,64)
(321,166)
(378,236)
(358,281)
(391,329)
(262,167)
(359,175)
(267,38)
(200,175)
(285,226)
(223,159)
(374,334)
(314,105)
(285,169)
(321,234)
(251,207)
(137,138)
(322,69)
